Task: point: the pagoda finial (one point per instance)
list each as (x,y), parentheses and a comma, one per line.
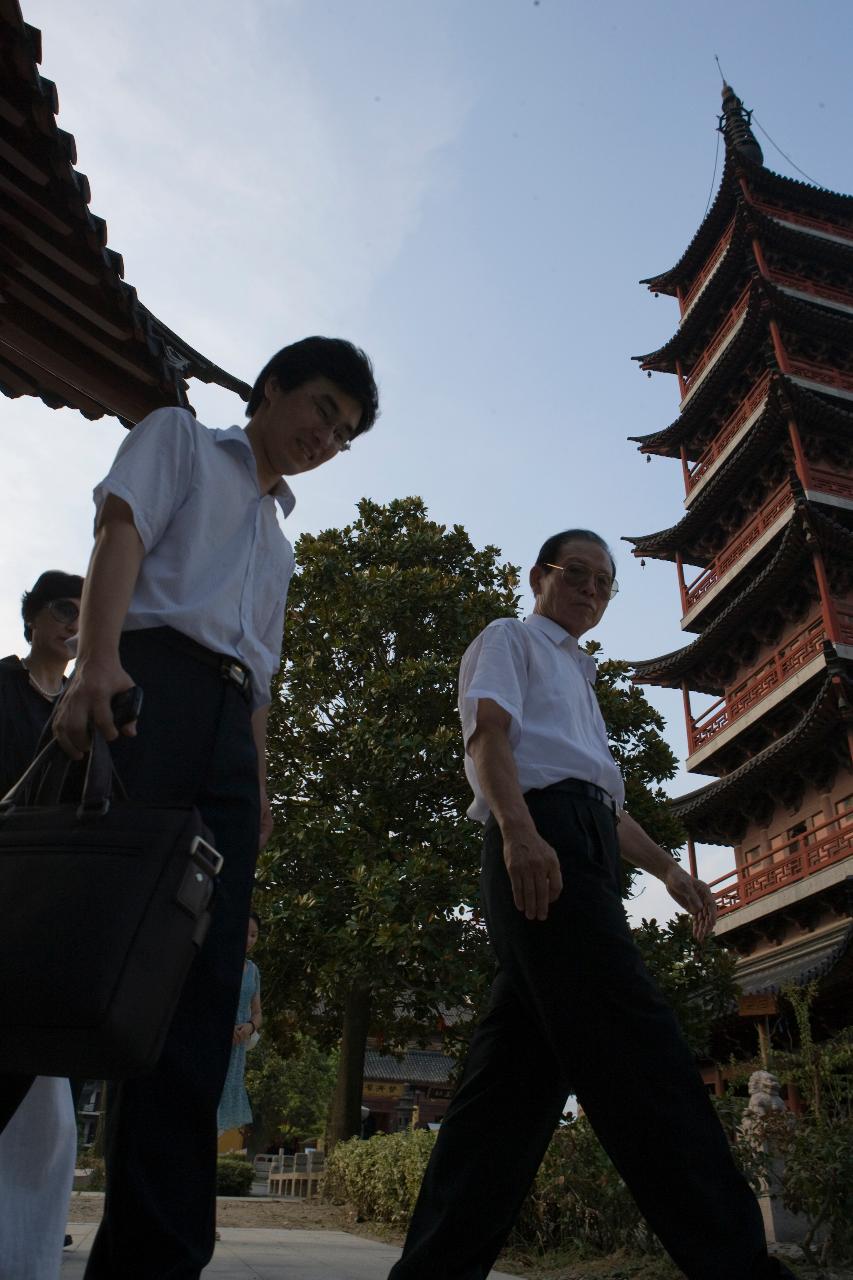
(736,127)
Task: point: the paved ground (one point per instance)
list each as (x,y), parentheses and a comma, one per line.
(254,1253)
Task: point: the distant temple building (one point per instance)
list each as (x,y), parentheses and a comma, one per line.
(764,558)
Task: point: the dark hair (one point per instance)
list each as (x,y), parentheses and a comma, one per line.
(53,584)
(554,545)
(253,915)
(334,358)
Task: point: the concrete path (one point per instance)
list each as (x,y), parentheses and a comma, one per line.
(258,1253)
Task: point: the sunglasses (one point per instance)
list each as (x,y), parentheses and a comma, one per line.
(63,610)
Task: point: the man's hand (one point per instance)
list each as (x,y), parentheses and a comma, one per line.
(534,871)
(86,704)
(695,897)
(266,819)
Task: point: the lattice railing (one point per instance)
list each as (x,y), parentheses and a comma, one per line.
(824,845)
(773,673)
(729,430)
(709,268)
(835,482)
(804,220)
(828,292)
(730,554)
(821,373)
(723,332)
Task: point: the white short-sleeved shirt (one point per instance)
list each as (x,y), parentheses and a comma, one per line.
(535,670)
(217,566)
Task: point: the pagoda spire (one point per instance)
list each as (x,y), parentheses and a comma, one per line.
(736,127)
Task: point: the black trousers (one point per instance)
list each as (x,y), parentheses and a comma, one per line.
(194,745)
(573,1009)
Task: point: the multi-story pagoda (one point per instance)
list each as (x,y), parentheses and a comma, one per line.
(764,556)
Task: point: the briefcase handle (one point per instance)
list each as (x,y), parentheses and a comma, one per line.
(44,781)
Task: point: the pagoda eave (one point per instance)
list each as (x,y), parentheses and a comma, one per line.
(714,812)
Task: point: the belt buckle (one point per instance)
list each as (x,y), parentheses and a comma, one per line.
(234,672)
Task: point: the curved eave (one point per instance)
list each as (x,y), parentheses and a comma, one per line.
(815,408)
(836,202)
(709,231)
(816,317)
(801,240)
(73,333)
(670,669)
(698,808)
(696,329)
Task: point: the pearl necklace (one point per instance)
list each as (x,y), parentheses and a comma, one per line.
(51,697)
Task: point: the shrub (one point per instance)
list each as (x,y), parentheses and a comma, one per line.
(379,1178)
(578,1199)
(234,1176)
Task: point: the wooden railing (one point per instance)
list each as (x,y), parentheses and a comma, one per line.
(724,331)
(720,565)
(821,373)
(798,652)
(708,270)
(729,430)
(827,292)
(828,843)
(803,220)
(835,482)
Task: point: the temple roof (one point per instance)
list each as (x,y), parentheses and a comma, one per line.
(72,332)
(741,159)
(708,812)
(806,960)
(810,406)
(418,1066)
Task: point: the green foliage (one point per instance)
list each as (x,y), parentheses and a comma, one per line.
(578,1198)
(379,1178)
(97,1180)
(697,981)
(290,1095)
(234,1176)
(371,878)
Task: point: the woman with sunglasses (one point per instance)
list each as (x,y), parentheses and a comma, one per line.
(39,1145)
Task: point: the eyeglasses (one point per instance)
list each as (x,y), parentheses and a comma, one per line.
(341,434)
(577,575)
(63,610)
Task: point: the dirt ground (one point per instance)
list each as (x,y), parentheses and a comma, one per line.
(308,1215)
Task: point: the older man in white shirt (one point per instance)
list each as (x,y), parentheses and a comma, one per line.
(573,1009)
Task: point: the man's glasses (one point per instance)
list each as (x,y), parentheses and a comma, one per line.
(577,575)
(63,610)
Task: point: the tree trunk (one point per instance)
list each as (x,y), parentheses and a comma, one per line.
(345,1117)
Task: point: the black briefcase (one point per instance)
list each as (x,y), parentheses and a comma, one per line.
(105,903)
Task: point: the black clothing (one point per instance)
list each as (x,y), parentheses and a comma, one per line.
(194,745)
(573,1009)
(23,714)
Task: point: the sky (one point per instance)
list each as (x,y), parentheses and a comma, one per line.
(470,190)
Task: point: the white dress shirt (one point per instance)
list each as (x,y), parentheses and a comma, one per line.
(535,670)
(217,566)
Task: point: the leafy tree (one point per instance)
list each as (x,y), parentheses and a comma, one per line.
(289,1095)
(698,981)
(372,879)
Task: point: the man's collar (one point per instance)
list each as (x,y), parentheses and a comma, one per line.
(565,640)
(281,491)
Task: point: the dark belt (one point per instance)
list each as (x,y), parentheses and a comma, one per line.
(574,786)
(230,669)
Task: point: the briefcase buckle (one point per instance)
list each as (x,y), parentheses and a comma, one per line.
(203,853)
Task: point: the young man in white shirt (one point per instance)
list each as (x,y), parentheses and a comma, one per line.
(573,1009)
(185,597)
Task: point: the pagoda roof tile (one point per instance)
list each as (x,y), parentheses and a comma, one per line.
(696,322)
(805,960)
(417,1066)
(73,332)
(707,812)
